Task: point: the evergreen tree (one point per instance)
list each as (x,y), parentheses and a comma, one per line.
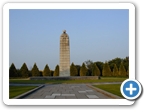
(128,71)
(122,71)
(56,72)
(106,70)
(35,70)
(115,71)
(73,70)
(83,70)
(24,71)
(12,71)
(95,71)
(46,71)
(100,66)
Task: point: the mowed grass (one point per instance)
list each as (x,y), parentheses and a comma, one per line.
(67,81)
(112,88)
(17,90)
(113,77)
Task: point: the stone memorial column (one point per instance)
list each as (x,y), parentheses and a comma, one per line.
(64,55)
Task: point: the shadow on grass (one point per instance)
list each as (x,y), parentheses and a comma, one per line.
(17,90)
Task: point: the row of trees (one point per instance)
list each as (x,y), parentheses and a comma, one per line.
(121,72)
(111,63)
(24,72)
(110,68)
(96,71)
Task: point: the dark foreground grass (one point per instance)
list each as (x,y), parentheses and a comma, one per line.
(112,88)
(67,81)
(17,90)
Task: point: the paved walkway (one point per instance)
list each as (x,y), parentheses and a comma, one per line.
(67,91)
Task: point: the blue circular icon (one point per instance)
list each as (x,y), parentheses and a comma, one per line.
(131,89)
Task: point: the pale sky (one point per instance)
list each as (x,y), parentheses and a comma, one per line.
(94,34)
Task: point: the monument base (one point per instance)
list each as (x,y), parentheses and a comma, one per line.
(66,78)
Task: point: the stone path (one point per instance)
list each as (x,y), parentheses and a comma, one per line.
(67,91)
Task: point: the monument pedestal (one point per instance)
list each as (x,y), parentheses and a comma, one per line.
(66,78)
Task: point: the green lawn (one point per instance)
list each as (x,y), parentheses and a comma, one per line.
(113,77)
(68,81)
(17,90)
(112,88)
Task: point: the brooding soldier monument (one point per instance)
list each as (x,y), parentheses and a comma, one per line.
(64,60)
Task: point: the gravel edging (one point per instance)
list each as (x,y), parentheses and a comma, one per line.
(105,92)
(27,93)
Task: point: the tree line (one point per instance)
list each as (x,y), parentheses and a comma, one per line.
(114,67)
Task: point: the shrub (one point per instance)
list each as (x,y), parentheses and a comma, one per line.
(56,71)
(122,71)
(24,71)
(73,70)
(12,71)
(106,70)
(35,70)
(46,71)
(83,70)
(95,71)
(115,70)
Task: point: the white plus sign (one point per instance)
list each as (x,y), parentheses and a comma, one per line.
(131,89)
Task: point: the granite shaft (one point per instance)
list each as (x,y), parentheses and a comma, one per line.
(64,55)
